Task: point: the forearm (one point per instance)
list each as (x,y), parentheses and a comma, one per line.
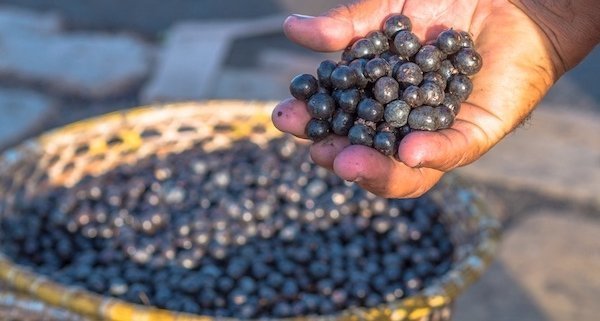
(572,27)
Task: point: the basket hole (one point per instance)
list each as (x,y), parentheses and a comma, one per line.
(186,128)
(126,152)
(259,129)
(223,128)
(82,149)
(115,140)
(43,178)
(68,167)
(150,132)
(98,157)
(199,143)
(53,160)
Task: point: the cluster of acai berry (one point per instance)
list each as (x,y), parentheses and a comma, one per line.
(250,232)
(389,84)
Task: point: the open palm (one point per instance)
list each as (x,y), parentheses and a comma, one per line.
(518,69)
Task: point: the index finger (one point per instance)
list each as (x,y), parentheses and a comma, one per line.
(291,116)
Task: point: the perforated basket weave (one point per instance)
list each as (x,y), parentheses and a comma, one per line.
(63,156)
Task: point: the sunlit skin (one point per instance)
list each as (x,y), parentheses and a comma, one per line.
(520,64)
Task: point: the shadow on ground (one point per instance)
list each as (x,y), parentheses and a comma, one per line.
(497,297)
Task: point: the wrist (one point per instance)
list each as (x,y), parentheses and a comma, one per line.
(572,27)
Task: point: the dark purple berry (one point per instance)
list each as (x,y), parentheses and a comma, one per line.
(348,99)
(447,69)
(359,68)
(413,96)
(343,77)
(360,134)
(324,72)
(408,74)
(347,56)
(396,113)
(444,117)
(372,300)
(452,102)
(433,93)
(429,58)
(303,86)
(435,77)
(282,310)
(404,130)
(317,129)
(341,123)
(392,58)
(363,48)
(460,86)
(467,61)
(449,41)
(320,106)
(422,118)
(385,143)
(386,89)
(395,24)
(379,40)
(377,68)
(370,109)
(336,95)
(465,40)
(406,44)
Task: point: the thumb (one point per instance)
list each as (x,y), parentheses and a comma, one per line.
(338,27)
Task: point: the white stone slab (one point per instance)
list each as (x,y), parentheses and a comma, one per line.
(193,54)
(17,20)
(83,64)
(21,111)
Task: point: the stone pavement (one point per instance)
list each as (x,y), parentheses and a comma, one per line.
(556,153)
(543,179)
(547,269)
(36,50)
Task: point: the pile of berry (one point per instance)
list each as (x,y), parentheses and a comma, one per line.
(388,84)
(251,231)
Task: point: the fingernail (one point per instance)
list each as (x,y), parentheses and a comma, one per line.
(357,180)
(301,16)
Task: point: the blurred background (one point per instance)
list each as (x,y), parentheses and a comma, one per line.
(64,60)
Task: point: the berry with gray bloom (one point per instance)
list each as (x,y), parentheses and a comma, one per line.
(395,24)
(390,79)
(406,44)
(422,118)
(396,113)
(386,89)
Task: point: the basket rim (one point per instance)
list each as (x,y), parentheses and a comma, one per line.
(462,274)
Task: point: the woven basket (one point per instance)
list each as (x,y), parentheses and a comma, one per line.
(63,156)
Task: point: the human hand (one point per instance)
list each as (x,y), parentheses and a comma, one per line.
(520,63)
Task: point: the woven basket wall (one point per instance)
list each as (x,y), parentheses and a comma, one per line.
(62,157)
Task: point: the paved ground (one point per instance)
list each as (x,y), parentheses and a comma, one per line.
(546,270)
(543,180)
(152,17)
